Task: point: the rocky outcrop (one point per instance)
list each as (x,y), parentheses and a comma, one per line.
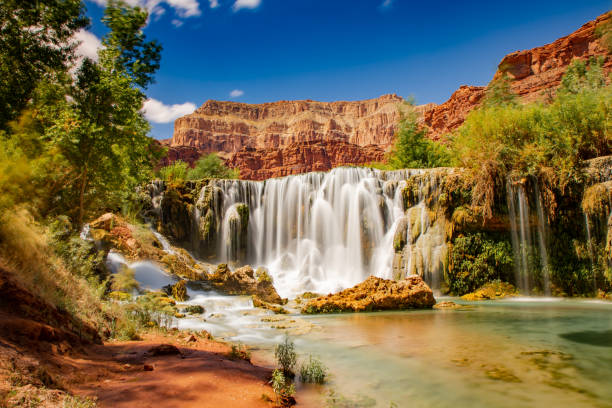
(290,137)
(231,126)
(376,294)
(443,119)
(303,157)
(246,281)
(534,74)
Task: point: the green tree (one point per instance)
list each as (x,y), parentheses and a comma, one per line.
(211,166)
(100,129)
(35,41)
(412,148)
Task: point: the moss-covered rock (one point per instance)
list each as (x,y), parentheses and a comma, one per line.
(243,281)
(491,291)
(179,291)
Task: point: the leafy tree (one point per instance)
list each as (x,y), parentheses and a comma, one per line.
(34,41)
(412,148)
(100,129)
(211,166)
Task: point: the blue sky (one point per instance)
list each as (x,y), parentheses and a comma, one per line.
(269,50)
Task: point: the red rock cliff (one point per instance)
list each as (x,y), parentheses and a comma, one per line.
(230,126)
(291,137)
(533,73)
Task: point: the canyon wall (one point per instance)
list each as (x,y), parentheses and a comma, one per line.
(534,74)
(292,137)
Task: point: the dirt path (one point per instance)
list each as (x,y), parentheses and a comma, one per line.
(201,376)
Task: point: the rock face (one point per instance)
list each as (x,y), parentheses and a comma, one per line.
(230,126)
(534,74)
(297,158)
(376,294)
(291,137)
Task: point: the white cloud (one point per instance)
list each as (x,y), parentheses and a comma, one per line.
(246,4)
(88,44)
(177,22)
(386,3)
(157,112)
(236,93)
(183,8)
(214,3)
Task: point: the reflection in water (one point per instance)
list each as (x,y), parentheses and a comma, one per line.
(594,338)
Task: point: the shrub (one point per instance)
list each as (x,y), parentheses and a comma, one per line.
(124,281)
(283,388)
(179,291)
(174,172)
(412,148)
(313,371)
(285,355)
(211,166)
(476,259)
(240,352)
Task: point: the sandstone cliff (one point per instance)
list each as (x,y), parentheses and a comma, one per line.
(230,126)
(291,137)
(534,74)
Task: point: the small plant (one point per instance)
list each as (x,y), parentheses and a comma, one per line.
(285,356)
(283,389)
(313,371)
(240,352)
(179,291)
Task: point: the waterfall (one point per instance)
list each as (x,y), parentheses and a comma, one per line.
(321,232)
(523,234)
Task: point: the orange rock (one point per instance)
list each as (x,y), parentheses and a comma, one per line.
(376,294)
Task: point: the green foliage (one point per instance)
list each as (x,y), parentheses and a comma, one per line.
(130,50)
(175,172)
(81,257)
(604,32)
(285,355)
(313,371)
(239,352)
(179,291)
(283,388)
(476,259)
(34,43)
(501,139)
(211,166)
(412,148)
(499,93)
(124,280)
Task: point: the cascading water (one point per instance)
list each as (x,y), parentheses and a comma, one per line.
(318,232)
(522,235)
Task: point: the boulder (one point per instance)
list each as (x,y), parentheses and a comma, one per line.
(244,281)
(376,294)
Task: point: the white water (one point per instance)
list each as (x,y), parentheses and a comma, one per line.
(319,232)
(148,274)
(522,237)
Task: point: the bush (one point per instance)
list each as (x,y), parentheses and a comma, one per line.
(283,388)
(476,259)
(240,352)
(211,166)
(285,355)
(412,148)
(174,172)
(313,372)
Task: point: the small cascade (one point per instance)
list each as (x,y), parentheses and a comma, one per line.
(321,232)
(528,261)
